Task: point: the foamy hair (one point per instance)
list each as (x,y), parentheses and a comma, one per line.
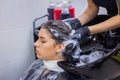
(75,44)
(72,53)
(74,57)
(72,50)
(73,31)
(58,34)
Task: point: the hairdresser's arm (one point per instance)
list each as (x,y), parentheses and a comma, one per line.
(107,25)
(89,13)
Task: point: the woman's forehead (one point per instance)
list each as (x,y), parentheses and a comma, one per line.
(44,33)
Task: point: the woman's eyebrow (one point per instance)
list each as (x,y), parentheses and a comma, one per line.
(42,37)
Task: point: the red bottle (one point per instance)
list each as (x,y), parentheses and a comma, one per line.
(57,11)
(71,9)
(72,12)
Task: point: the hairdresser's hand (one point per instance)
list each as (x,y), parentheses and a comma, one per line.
(81,33)
(73,22)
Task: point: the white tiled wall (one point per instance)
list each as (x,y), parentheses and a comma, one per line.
(16,33)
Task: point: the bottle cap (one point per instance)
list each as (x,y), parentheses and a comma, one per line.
(69,3)
(58,4)
(65,7)
(52,4)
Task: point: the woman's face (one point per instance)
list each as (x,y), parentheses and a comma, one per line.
(46,48)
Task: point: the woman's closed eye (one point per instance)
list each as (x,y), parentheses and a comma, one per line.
(42,41)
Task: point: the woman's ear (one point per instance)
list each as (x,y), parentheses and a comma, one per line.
(59,48)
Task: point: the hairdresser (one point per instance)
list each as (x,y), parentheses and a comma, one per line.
(98,23)
(91,23)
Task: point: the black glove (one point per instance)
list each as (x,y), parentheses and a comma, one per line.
(81,33)
(73,22)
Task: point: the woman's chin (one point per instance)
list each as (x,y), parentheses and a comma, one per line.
(38,56)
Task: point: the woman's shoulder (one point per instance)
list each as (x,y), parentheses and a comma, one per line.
(36,63)
(34,70)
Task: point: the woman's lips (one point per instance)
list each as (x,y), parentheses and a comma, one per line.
(36,51)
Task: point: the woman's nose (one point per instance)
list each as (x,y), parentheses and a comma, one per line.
(36,44)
